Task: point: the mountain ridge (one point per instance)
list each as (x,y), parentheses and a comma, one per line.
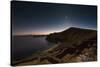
(72,34)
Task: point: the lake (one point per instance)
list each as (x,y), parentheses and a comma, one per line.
(24,46)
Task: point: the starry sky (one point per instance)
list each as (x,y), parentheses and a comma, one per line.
(38,18)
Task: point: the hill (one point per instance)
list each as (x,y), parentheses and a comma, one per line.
(72,45)
(72,35)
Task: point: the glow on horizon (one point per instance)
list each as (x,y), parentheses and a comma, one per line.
(46,32)
(35,33)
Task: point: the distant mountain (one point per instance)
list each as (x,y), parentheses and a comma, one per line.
(39,35)
(72,45)
(29,35)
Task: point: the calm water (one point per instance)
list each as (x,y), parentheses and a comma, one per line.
(23,46)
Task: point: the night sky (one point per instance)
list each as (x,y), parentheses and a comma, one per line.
(43,18)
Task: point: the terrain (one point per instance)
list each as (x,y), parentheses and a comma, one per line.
(71,45)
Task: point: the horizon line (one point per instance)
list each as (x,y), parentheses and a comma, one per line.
(52,32)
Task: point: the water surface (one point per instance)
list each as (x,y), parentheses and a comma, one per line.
(24,46)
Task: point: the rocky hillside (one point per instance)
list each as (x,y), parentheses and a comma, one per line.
(72,35)
(72,45)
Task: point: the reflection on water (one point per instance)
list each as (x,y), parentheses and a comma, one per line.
(23,46)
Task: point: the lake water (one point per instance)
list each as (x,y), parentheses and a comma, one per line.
(24,46)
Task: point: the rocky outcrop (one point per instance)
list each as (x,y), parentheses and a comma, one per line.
(72,35)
